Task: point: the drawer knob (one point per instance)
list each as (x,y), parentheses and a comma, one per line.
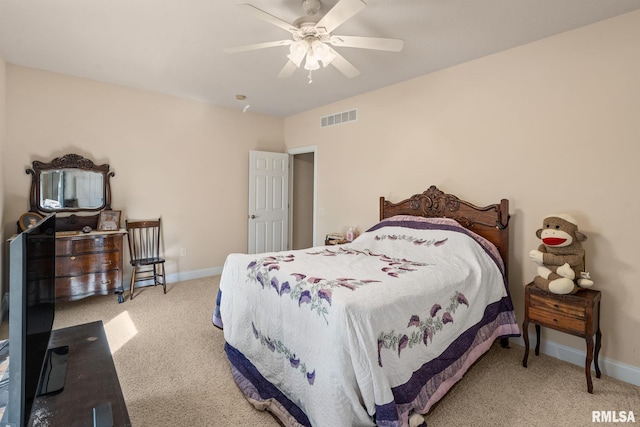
(73,258)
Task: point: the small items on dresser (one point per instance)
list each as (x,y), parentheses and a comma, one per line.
(350,234)
(334,239)
(340,238)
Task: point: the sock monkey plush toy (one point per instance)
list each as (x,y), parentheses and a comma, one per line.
(560,257)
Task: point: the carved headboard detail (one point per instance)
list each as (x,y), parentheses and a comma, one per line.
(491,222)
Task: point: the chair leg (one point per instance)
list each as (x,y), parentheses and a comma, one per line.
(164,280)
(133,281)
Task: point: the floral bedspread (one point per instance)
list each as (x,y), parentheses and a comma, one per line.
(364,333)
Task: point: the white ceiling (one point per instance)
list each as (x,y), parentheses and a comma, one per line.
(176,46)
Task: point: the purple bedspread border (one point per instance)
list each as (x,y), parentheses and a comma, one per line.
(261,385)
(416,394)
(408,391)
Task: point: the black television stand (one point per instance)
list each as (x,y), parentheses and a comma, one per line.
(91,385)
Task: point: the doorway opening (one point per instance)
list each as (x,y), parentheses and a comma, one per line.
(302,211)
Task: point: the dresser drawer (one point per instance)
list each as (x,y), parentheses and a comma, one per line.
(81,286)
(89,245)
(74,265)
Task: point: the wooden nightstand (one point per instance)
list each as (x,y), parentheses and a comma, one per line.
(577,314)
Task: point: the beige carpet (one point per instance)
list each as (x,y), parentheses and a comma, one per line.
(173,371)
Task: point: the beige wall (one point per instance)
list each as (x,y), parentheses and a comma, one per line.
(182,160)
(552,126)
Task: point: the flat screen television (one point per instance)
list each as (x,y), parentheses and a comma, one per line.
(31,314)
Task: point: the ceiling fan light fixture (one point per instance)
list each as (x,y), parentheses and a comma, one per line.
(297,51)
(313,51)
(322,52)
(311,63)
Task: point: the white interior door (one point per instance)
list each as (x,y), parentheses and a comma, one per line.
(268,201)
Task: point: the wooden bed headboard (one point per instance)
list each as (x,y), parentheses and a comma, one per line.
(490,222)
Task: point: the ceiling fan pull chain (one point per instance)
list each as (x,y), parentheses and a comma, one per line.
(310,79)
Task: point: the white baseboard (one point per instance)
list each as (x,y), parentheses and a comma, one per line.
(179,277)
(612,368)
(196,274)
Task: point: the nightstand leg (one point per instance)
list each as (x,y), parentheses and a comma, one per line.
(587,367)
(525,336)
(537,340)
(595,360)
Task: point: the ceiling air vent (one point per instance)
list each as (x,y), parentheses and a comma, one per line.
(338,118)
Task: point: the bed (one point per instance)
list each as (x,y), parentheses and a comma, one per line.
(376,331)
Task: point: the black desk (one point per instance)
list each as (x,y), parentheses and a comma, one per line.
(91,380)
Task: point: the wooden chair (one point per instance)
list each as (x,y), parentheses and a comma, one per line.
(144,250)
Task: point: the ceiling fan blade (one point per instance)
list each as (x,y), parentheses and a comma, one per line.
(267,17)
(257,46)
(288,70)
(344,66)
(340,13)
(391,45)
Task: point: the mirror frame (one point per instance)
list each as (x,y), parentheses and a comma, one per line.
(68,161)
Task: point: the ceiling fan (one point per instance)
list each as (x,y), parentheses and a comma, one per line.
(312,35)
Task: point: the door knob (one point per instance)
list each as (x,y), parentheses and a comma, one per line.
(253,216)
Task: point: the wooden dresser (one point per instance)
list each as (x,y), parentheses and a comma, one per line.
(88,264)
(79,192)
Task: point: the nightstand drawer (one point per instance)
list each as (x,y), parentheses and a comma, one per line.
(563,308)
(557,320)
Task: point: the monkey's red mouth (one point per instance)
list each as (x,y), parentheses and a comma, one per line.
(553,241)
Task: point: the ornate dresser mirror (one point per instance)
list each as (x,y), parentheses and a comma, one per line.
(88,260)
(73,184)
